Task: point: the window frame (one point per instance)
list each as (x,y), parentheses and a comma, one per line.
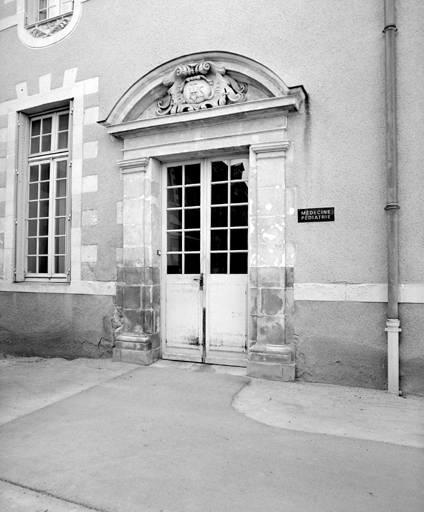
(33,9)
(26,160)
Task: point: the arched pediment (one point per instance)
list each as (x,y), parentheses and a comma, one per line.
(198,82)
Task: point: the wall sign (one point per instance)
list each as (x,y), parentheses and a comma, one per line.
(315,214)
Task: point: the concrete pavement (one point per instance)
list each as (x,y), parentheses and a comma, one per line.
(95,435)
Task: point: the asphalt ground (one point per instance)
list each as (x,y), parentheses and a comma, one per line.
(95,435)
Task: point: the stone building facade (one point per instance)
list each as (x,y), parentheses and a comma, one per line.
(208,183)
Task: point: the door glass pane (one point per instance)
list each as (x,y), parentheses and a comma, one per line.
(239,192)
(238,263)
(219,263)
(239,215)
(238,239)
(175,241)
(192,264)
(192,196)
(192,174)
(192,241)
(220,194)
(219,240)
(175,176)
(237,170)
(175,197)
(192,218)
(174,264)
(219,217)
(175,219)
(219,171)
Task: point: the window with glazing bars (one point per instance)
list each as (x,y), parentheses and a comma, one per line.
(44,188)
(51,8)
(37,11)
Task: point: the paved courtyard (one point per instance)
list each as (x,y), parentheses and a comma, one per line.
(95,435)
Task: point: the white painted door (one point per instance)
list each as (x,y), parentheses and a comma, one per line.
(205,261)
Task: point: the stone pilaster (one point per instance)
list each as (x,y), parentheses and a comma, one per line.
(269,356)
(138,288)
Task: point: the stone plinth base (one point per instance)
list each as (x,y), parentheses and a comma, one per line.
(274,362)
(135,349)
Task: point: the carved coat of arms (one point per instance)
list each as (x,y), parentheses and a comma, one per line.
(199,86)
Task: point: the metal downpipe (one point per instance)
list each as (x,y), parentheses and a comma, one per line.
(392,207)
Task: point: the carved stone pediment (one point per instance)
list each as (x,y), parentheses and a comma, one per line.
(200,85)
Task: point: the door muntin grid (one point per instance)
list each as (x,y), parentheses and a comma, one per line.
(183,220)
(229,217)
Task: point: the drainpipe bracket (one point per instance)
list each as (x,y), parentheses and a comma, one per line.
(390,27)
(392,206)
(393,325)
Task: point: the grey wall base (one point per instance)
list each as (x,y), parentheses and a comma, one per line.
(271,371)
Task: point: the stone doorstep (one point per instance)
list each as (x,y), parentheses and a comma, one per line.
(274,362)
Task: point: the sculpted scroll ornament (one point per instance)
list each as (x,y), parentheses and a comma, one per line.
(199,86)
(48,28)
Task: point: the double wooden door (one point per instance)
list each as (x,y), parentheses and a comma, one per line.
(205,261)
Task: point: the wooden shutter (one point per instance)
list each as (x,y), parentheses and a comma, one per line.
(21,196)
(31,12)
(69,193)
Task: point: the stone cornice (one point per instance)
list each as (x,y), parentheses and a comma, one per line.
(261,108)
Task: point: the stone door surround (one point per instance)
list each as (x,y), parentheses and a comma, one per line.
(203,105)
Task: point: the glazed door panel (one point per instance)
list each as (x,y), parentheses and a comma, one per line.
(206,262)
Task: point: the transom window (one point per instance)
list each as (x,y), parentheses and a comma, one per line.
(47,196)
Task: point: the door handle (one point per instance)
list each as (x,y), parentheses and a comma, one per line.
(200,281)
